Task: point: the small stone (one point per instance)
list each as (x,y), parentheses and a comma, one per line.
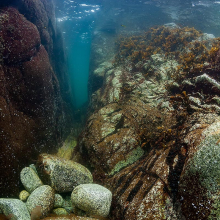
(92,198)
(67,204)
(30,179)
(42,197)
(24,195)
(58,202)
(14,209)
(60,211)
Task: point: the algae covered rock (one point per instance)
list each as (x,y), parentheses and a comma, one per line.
(62,175)
(30,179)
(92,198)
(41,201)
(58,202)
(60,211)
(15,209)
(199,186)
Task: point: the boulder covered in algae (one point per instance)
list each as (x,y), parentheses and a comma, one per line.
(152,136)
(62,175)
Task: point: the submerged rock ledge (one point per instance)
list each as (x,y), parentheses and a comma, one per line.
(158,104)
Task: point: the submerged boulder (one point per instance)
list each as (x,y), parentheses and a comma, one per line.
(94,199)
(199,186)
(30,179)
(41,201)
(62,175)
(14,209)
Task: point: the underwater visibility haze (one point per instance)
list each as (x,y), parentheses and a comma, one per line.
(109,109)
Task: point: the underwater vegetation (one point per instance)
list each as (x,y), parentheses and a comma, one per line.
(187,45)
(160,39)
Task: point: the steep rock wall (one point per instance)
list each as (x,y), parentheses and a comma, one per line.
(34,98)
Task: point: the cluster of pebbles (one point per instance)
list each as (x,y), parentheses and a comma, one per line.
(68,189)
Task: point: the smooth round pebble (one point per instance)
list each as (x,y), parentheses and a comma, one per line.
(30,179)
(14,209)
(24,195)
(92,198)
(42,197)
(60,211)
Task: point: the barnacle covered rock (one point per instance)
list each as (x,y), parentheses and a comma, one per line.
(62,175)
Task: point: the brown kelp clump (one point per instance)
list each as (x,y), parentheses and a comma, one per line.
(160,39)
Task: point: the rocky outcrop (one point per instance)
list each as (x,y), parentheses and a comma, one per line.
(153,132)
(34,95)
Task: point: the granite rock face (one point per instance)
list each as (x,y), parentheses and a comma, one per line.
(32,86)
(62,175)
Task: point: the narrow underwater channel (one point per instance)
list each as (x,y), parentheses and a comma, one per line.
(76,23)
(78,53)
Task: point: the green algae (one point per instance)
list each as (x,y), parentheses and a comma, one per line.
(131,158)
(206,162)
(67,148)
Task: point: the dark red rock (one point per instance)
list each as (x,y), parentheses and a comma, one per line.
(31,107)
(19,37)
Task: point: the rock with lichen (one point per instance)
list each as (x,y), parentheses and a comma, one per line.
(62,175)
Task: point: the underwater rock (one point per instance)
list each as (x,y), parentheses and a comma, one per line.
(199,182)
(24,195)
(41,201)
(92,198)
(62,175)
(67,204)
(58,201)
(60,211)
(20,38)
(142,190)
(33,87)
(14,209)
(30,179)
